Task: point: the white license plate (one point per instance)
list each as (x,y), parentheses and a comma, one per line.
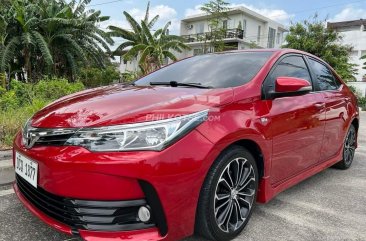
(26,168)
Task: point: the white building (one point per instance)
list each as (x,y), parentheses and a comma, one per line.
(354,34)
(244,29)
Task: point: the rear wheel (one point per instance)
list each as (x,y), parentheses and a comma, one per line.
(349,149)
(228,195)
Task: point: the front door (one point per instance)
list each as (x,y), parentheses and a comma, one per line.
(297,122)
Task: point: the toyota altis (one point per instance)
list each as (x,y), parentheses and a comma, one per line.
(187,149)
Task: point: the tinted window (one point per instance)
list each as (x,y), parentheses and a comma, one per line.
(324,76)
(291,66)
(216,70)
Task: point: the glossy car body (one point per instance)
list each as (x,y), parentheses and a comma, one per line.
(292,138)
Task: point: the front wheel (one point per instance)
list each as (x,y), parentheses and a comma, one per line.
(228,195)
(349,148)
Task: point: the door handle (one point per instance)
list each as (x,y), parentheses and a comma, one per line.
(320,105)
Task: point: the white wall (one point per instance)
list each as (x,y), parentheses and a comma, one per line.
(356,37)
(251,33)
(253,20)
(360,87)
(131,66)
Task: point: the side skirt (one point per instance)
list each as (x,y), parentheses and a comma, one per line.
(267,191)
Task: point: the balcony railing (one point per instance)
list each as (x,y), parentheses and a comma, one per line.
(200,37)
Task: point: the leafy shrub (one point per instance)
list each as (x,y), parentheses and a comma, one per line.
(23,92)
(55,88)
(361,102)
(23,100)
(2,91)
(130,76)
(11,120)
(95,77)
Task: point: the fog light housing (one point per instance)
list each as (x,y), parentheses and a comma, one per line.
(144,214)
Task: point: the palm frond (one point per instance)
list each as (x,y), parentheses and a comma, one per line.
(147,33)
(169,55)
(147,51)
(146,19)
(153,21)
(71,62)
(9,53)
(134,51)
(43,47)
(122,33)
(133,23)
(124,45)
(26,39)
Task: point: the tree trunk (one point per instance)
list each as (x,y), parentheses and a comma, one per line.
(27,65)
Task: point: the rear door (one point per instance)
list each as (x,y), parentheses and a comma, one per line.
(336,108)
(297,122)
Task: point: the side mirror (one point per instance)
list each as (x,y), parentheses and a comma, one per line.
(291,86)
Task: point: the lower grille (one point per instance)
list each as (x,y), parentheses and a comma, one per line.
(84,214)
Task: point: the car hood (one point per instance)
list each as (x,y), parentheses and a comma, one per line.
(117,104)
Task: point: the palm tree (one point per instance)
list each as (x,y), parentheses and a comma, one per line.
(155,48)
(26,39)
(135,35)
(73,35)
(151,48)
(52,37)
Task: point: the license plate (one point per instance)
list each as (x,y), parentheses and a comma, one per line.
(26,168)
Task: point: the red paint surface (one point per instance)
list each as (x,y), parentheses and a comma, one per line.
(298,140)
(290,84)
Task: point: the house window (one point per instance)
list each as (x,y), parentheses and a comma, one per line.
(278,38)
(259,34)
(224,24)
(245,27)
(271,37)
(231,24)
(200,28)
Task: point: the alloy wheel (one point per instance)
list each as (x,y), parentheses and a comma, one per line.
(234,195)
(349,146)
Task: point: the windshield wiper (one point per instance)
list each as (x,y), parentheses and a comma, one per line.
(176,84)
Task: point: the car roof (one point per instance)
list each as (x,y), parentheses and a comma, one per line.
(279,52)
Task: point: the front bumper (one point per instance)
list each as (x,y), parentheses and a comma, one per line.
(169,180)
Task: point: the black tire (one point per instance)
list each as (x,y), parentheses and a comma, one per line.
(349,148)
(241,165)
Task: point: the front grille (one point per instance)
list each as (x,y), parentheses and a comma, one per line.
(33,136)
(53,140)
(85,214)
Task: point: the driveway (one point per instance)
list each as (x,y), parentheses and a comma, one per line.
(328,206)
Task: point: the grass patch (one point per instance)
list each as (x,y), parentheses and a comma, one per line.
(23,100)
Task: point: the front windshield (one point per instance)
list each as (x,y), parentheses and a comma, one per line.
(214,70)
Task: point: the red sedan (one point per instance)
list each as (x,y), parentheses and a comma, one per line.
(187,149)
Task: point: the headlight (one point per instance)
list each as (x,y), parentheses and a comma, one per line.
(154,135)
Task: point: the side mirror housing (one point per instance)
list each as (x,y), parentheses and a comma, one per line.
(291,86)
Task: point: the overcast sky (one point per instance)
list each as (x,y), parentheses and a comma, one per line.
(283,11)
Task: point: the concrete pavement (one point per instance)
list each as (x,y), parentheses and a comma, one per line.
(328,206)
(6,168)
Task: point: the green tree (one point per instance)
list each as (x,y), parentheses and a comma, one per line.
(315,38)
(135,35)
(27,39)
(51,37)
(217,12)
(151,49)
(364,64)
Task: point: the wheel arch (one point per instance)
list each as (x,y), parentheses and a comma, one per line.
(355,122)
(254,149)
